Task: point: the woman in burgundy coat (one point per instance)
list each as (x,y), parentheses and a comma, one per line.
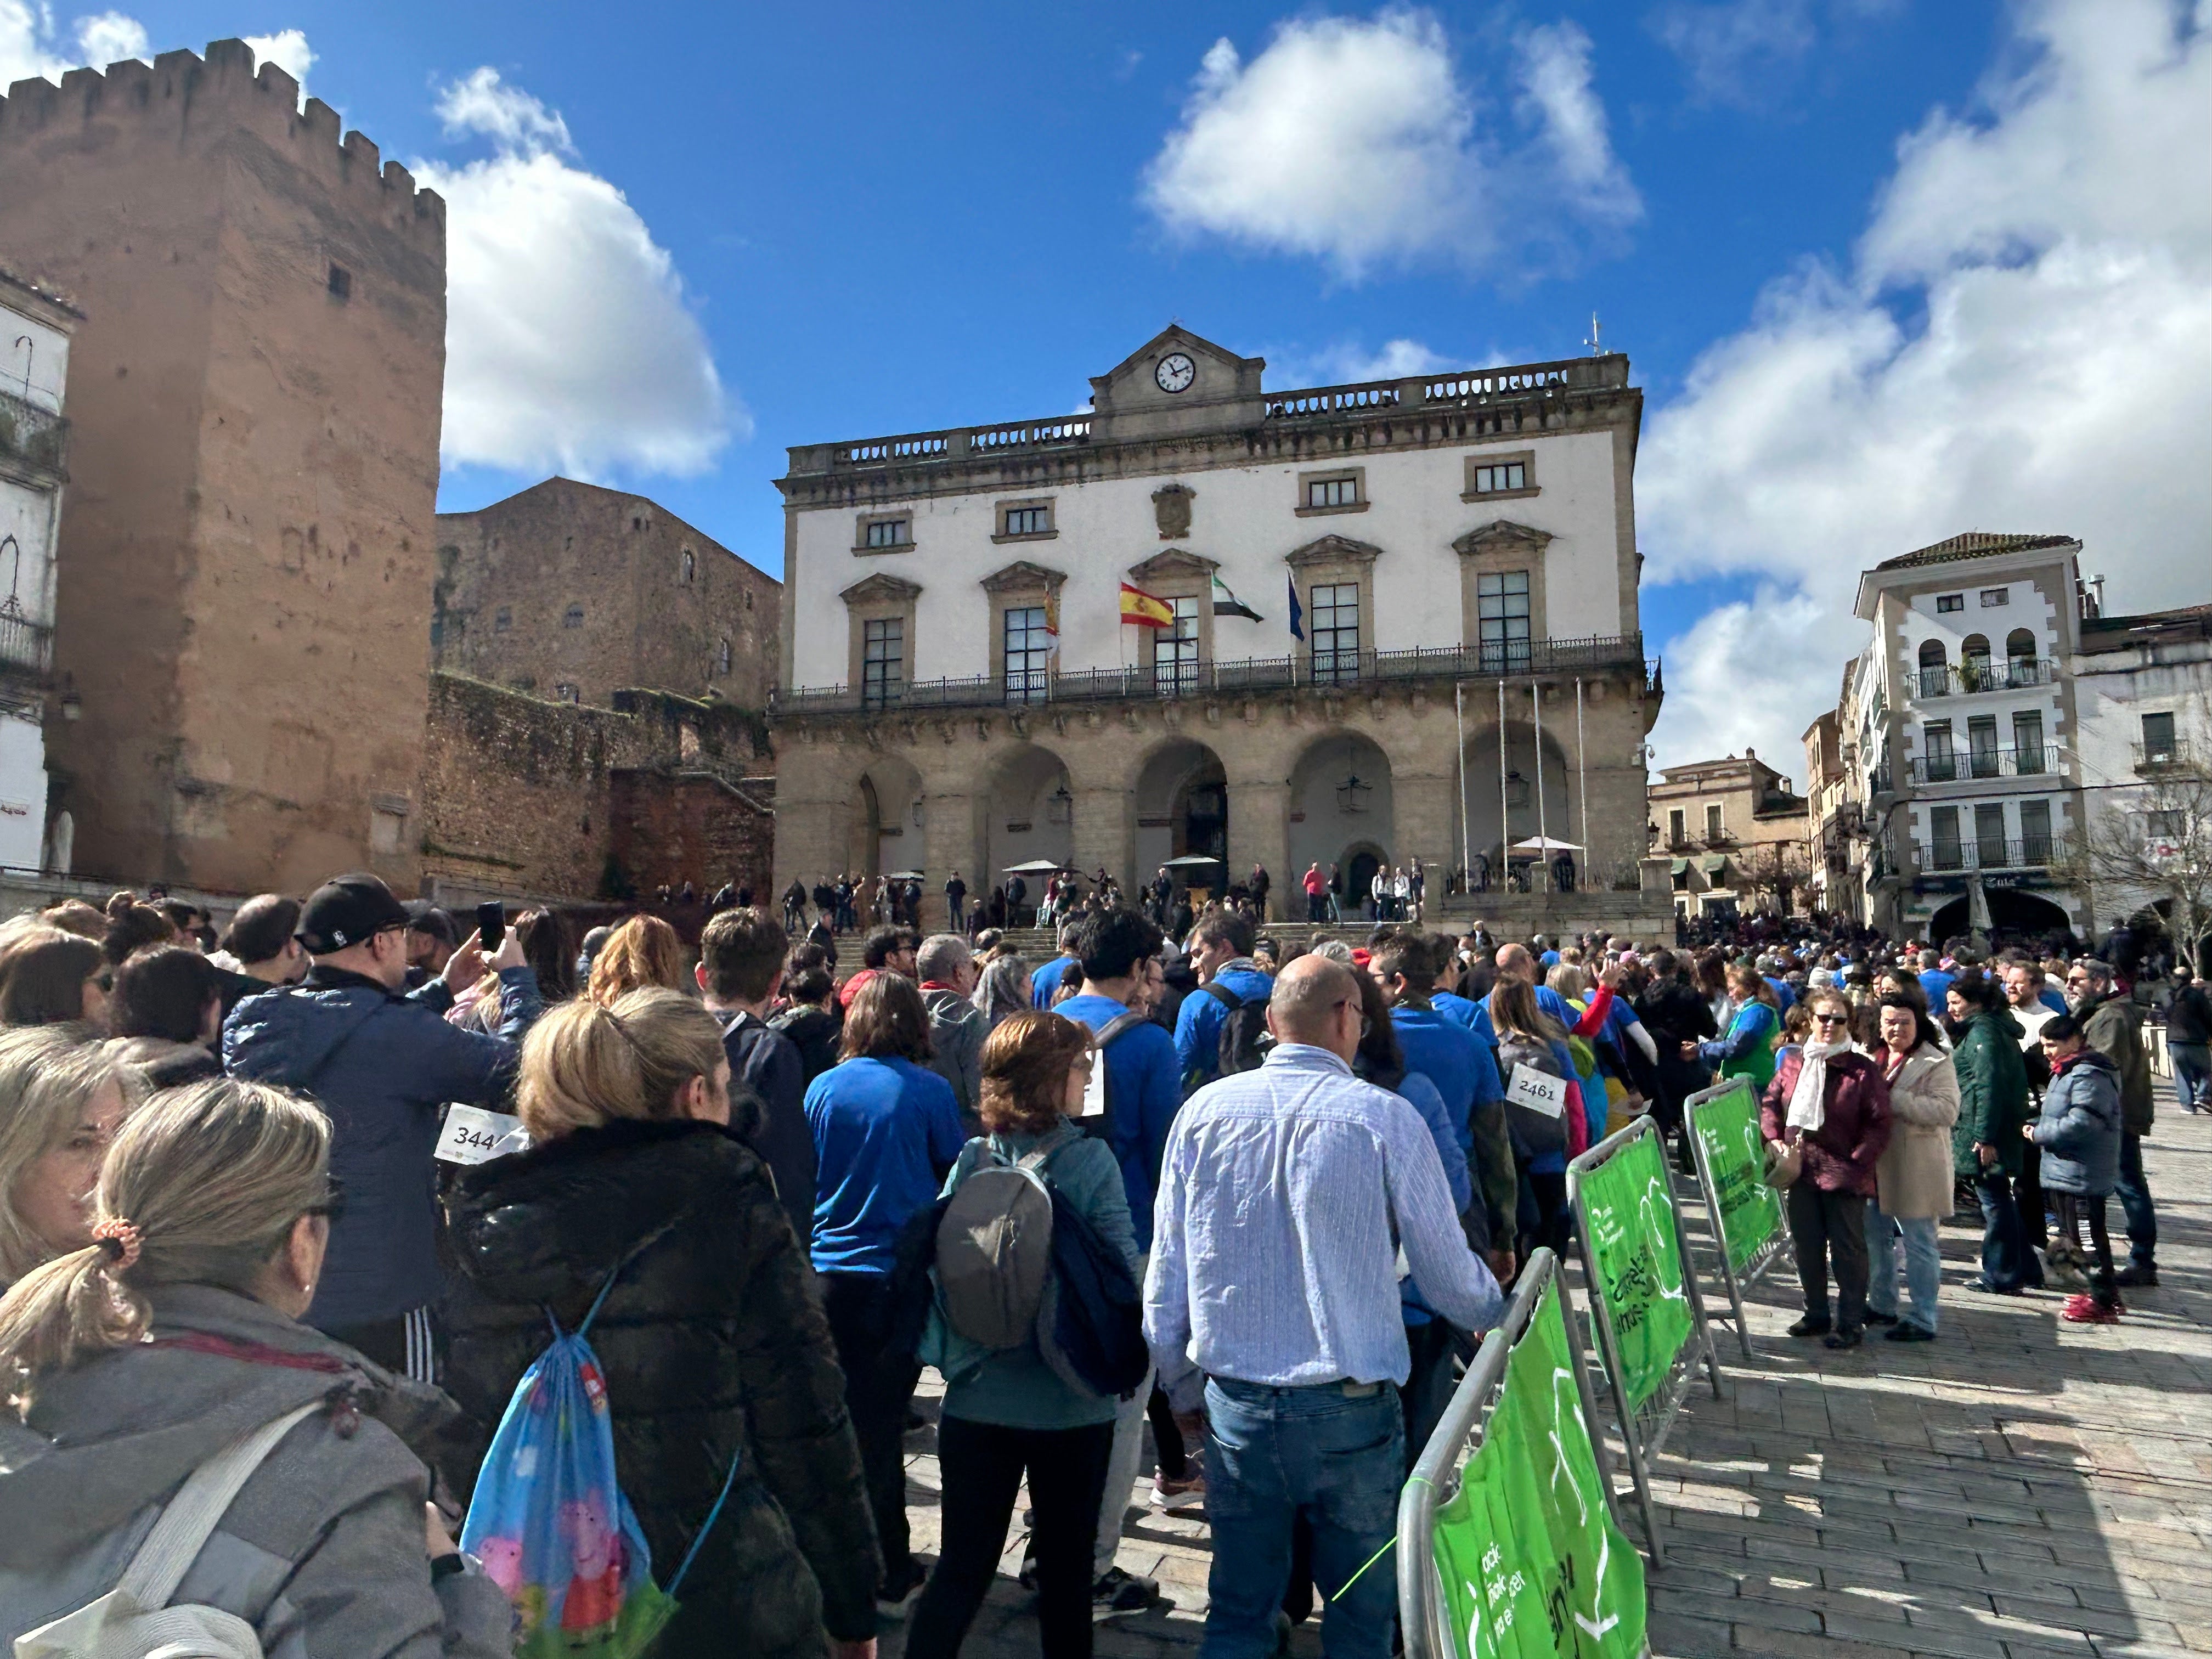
(1833,1103)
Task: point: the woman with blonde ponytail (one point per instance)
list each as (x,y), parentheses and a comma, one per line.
(712,1340)
(130,1362)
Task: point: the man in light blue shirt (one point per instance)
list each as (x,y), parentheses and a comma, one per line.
(1274,1280)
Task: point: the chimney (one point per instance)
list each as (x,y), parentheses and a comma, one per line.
(2097,601)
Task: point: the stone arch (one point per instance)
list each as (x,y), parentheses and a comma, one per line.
(1181,790)
(1029,812)
(1492,822)
(2014,917)
(882,817)
(1342,796)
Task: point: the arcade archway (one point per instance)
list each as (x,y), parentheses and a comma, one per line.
(1342,804)
(1509,803)
(884,818)
(1031,812)
(1182,809)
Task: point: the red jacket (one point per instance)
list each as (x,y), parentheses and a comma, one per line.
(1841,1154)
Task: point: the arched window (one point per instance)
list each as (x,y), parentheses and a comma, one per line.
(690,567)
(722,657)
(2019,645)
(1934,678)
(573,617)
(1974,661)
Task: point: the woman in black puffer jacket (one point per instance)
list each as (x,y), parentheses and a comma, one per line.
(713,1340)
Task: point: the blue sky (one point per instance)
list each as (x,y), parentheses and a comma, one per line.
(1803,220)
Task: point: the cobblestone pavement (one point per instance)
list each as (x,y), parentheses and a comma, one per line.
(2020,1489)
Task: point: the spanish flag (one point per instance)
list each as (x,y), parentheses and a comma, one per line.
(1141,609)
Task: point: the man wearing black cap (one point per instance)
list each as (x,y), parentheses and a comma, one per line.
(431,938)
(381,1063)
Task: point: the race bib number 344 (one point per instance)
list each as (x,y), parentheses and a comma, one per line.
(472,1134)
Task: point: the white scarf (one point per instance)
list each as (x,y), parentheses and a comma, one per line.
(1808,1107)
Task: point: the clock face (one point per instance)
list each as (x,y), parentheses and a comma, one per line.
(1175,372)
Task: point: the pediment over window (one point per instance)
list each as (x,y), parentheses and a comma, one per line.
(1504,536)
(1021,576)
(1172,562)
(881,589)
(1332,549)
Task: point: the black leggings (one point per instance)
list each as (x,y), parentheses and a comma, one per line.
(2073,1211)
(980,1468)
(1167,1435)
(877,1391)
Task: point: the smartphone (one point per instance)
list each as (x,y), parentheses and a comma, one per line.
(492,924)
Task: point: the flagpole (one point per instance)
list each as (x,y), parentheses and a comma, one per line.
(1466,829)
(1582,773)
(1543,830)
(1505,808)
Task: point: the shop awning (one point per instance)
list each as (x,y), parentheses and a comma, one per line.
(1713,863)
(1681,867)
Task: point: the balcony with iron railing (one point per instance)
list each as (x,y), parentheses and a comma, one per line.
(2173,755)
(27,647)
(1990,853)
(32,441)
(1972,675)
(1974,765)
(1344,669)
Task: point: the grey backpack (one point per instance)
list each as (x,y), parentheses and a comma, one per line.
(994,1249)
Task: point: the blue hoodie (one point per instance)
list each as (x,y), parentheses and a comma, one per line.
(381,1065)
(1457,1062)
(1198,1022)
(1144,1091)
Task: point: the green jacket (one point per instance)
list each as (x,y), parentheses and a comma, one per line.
(1992,1093)
(2112,1025)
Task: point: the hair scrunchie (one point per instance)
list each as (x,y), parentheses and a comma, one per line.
(121,1240)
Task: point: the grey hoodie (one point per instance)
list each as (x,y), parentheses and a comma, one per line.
(323,1550)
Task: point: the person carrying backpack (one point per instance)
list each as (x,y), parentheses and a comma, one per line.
(1223,1027)
(640,1193)
(1133,1097)
(209,1232)
(1009,1411)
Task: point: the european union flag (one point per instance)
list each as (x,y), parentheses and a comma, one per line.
(1298,611)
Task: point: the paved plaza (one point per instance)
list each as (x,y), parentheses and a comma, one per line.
(2021,1489)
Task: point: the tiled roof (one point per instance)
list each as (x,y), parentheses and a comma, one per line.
(1971,545)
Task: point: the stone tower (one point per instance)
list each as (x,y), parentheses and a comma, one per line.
(249,543)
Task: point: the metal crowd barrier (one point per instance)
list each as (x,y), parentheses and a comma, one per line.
(1775,1248)
(1642,1429)
(1435,1479)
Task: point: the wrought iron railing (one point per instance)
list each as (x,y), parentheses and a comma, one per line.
(1957,765)
(2170,756)
(26,648)
(34,437)
(1217,678)
(1973,674)
(2022,853)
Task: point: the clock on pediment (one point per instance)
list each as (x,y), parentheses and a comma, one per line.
(1175,371)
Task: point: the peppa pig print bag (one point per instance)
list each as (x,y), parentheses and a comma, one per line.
(549,1523)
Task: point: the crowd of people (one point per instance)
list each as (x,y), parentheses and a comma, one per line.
(1226,1205)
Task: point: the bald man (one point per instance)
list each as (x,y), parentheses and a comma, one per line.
(1273,1285)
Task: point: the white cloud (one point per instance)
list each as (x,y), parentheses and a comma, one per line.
(570,342)
(288,49)
(484,105)
(1347,362)
(28,50)
(2022,342)
(1729,49)
(1356,143)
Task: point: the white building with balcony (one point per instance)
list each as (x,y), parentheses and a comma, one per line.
(35,328)
(2143,691)
(1402,626)
(1960,730)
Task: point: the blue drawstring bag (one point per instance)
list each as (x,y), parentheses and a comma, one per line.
(549,1523)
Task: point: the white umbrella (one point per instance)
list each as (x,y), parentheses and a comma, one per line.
(1545,844)
(904,875)
(1191,861)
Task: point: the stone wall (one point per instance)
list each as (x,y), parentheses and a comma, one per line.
(248,542)
(527,797)
(571,592)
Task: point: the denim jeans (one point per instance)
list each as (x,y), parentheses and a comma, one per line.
(1923,1264)
(2193,1074)
(1272,1455)
(2135,1202)
(2006,1262)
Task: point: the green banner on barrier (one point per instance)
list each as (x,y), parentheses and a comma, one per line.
(1532,1565)
(1728,1135)
(1632,1228)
